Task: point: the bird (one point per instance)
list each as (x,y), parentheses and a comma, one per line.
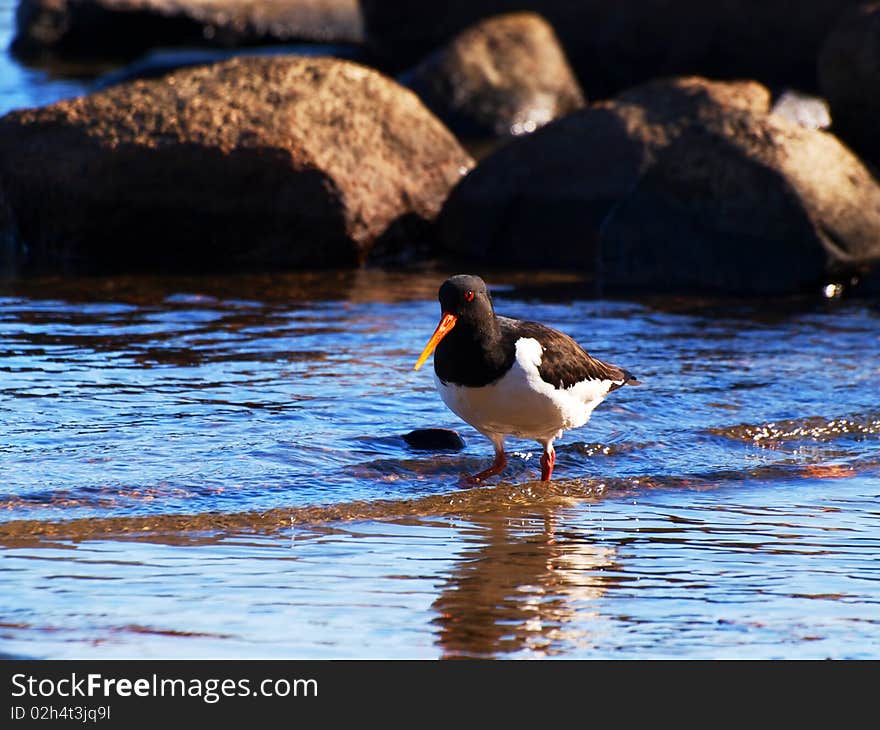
(510,377)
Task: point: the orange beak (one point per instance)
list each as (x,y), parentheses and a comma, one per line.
(447,322)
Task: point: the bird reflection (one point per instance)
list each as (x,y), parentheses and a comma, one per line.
(521,585)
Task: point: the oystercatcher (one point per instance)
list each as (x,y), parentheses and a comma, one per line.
(509,377)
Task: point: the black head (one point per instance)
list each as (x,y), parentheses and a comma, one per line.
(466,310)
(466,297)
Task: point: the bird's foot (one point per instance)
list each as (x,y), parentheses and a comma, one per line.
(497,467)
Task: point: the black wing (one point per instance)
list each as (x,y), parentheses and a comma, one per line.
(564,362)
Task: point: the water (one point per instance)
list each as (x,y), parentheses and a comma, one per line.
(213,467)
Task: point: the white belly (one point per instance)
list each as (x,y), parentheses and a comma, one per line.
(522,404)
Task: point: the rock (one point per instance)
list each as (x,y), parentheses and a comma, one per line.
(615,45)
(739,188)
(679,184)
(126,28)
(254,162)
(541,200)
(849,76)
(809,111)
(9,240)
(708,216)
(434,439)
(504,76)
(158,63)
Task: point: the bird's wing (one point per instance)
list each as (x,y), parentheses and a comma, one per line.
(564,362)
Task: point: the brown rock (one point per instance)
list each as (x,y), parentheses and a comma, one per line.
(615,45)
(504,76)
(541,200)
(678,184)
(849,75)
(107,28)
(711,215)
(279,161)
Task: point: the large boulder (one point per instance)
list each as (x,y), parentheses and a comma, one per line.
(281,161)
(679,184)
(614,45)
(504,76)
(849,74)
(107,28)
(541,200)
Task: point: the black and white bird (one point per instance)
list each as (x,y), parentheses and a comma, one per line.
(507,377)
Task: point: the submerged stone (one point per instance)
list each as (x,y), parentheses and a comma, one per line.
(434,439)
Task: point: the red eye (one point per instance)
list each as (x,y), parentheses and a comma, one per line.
(469,296)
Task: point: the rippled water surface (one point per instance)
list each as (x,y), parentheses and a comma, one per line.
(214,467)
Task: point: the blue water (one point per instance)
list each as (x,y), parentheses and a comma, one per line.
(213,467)
(22,87)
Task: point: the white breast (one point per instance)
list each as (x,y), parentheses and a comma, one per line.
(520,403)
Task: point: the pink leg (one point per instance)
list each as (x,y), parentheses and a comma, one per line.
(497,466)
(548,459)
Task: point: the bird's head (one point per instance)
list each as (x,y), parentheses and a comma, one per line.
(464,300)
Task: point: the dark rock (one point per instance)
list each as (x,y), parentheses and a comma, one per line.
(126,28)
(541,200)
(708,217)
(680,184)
(504,76)
(849,75)
(434,439)
(9,239)
(614,45)
(809,111)
(254,162)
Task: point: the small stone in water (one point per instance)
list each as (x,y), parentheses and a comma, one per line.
(434,439)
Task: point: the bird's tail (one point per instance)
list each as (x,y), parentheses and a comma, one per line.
(630,379)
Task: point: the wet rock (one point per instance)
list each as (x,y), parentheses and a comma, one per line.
(614,45)
(504,76)
(255,162)
(809,111)
(434,439)
(679,184)
(110,28)
(849,75)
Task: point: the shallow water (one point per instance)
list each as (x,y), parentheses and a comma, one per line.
(214,467)
(21,86)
